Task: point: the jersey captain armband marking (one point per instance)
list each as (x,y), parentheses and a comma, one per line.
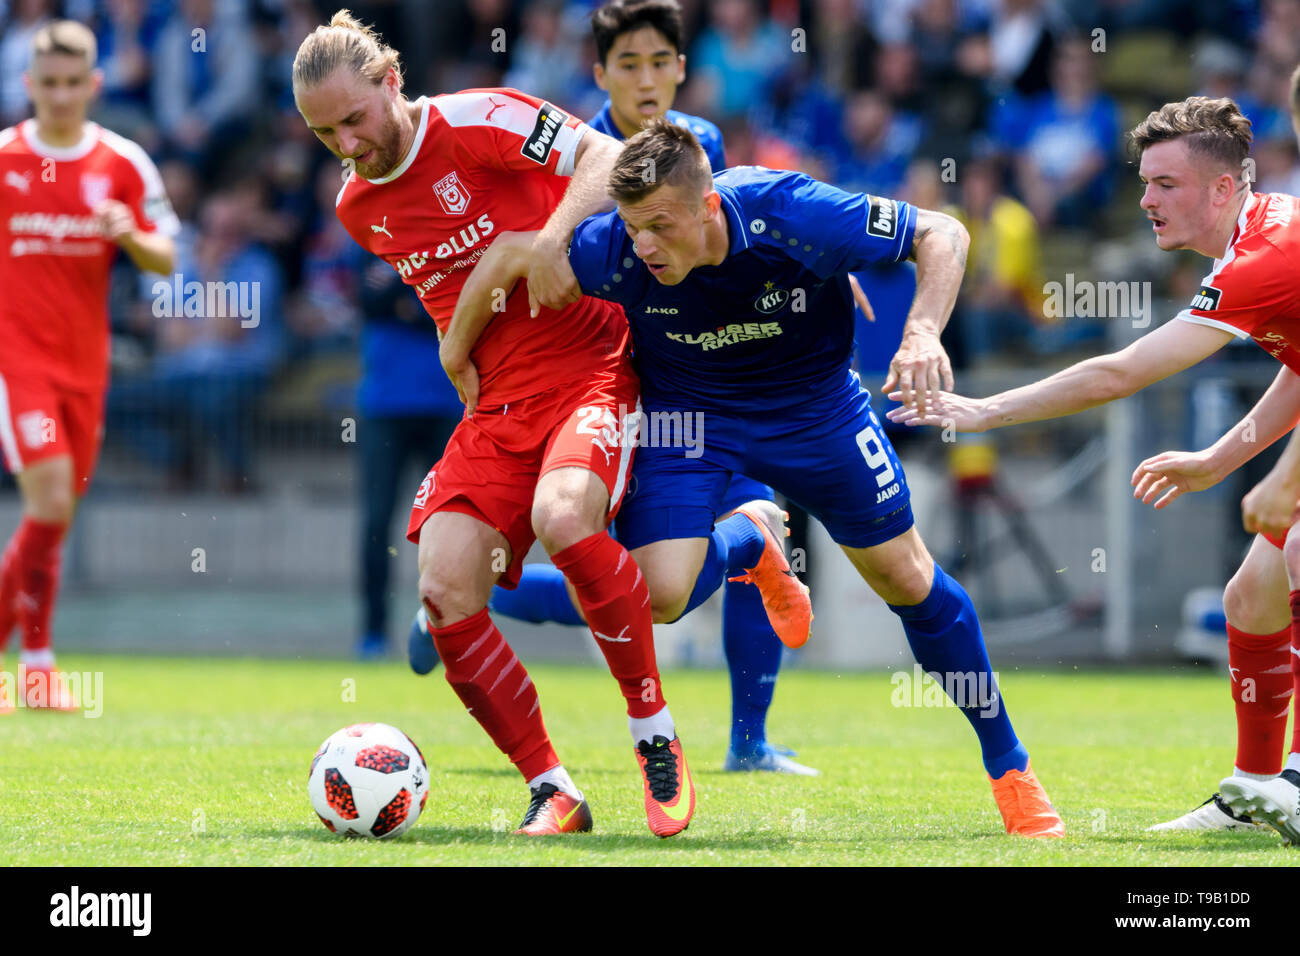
(541,141)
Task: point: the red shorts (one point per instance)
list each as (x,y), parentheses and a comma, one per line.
(39,420)
(493,460)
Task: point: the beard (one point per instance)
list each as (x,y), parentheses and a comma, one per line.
(385,158)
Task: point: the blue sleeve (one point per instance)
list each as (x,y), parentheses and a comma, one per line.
(602,258)
(832,231)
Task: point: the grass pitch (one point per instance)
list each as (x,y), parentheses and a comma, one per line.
(204,761)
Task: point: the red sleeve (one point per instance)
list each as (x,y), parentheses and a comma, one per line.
(1255,285)
(141,187)
(512,130)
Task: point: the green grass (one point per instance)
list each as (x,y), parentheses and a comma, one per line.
(204,761)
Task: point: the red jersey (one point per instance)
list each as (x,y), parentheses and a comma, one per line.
(55,265)
(484,162)
(1254,290)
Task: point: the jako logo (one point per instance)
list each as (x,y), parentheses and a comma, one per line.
(102,909)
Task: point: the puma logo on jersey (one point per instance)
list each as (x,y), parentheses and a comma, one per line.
(538,145)
(20,181)
(382,227)
(495,106)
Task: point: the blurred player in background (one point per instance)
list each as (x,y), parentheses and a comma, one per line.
(407,416)
(71,195)
(640,65)
(1194,163)
(431,181)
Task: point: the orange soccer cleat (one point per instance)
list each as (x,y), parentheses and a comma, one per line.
(785,597)
(669,792)
(1026,811)
(551,810)
(46,689)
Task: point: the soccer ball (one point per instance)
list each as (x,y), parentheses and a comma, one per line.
(368,780)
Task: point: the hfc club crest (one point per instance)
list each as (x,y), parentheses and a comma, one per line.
(451,194)
(95,188)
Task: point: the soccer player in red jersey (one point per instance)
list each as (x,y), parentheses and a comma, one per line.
(71,195)
(546,454)
(1194,162)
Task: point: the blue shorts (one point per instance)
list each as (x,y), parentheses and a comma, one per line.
(828,454)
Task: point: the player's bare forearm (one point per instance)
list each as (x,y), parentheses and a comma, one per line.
(551,282)
(150,251)
(1169,349)
(1096,381)
(484,294)
(939,249)
(587,193)
(1276,413)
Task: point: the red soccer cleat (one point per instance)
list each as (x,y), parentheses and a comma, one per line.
(669,792)
(551,810)
(8,692)
(1026,811)
(785,597)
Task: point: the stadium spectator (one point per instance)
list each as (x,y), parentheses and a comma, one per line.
(1001,300)
(878,144)
(211,367)
(127,33)
(737,58)
(323,313)
(15,50)
(205,79)
(1063,141)
(408,410)
(546,59)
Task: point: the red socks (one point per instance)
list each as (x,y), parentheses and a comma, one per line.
(29,581)
(1261,672)
(616,603)
(1295,669)
(494,687)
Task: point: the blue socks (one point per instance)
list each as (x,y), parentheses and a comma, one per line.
(540,597)
(753,653)
(944,634)
(735,544)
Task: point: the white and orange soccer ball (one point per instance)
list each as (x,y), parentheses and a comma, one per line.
(368,780)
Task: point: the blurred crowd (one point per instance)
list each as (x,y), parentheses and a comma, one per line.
(1009,113)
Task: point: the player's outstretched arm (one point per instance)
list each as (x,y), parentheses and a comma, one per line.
(483,295)
(1162,478)
(150,251)
(551,282)
(920,368)
(1169,349)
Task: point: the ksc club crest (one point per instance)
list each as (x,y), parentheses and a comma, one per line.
(451,194)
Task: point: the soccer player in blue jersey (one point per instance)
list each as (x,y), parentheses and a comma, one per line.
(640,65)
(736,320)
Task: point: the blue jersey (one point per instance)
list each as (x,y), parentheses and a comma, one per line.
(765,325)
(710,136)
